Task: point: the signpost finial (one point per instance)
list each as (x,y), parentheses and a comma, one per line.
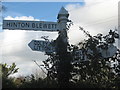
(62,12)
(62,18)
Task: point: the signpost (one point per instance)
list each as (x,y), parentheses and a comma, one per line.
(106,53)
(80,55)
(61,43)
(30,25)
(43,46)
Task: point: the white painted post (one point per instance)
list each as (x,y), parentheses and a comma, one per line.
(62,22)
(61,49)
(62,18)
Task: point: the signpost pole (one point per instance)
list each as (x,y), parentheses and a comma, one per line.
(64,66)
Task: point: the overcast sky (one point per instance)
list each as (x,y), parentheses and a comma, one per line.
(95,17)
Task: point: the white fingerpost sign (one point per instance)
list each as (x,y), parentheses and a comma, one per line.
(110,52)
(40,45)
(30,25)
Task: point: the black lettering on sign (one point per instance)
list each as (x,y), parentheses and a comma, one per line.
(52,25)
(36,25)
(42,43)
(45,26)
(27,24)
(38,48)
(22,24)
(55,25)
(33,25)
(39,45)
(34,42)
(40,25)
(14,24)
(49,26)
(8,24)
(19,24)
(35,47)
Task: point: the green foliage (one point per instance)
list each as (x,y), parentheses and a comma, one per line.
(8,82)
(96,71)
(8,70)
(31,82)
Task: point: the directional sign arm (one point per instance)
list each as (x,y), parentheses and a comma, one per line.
(30,25)
(43,46)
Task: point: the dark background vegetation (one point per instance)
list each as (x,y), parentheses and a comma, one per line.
(97,72)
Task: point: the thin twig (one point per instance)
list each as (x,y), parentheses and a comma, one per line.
(40,67)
